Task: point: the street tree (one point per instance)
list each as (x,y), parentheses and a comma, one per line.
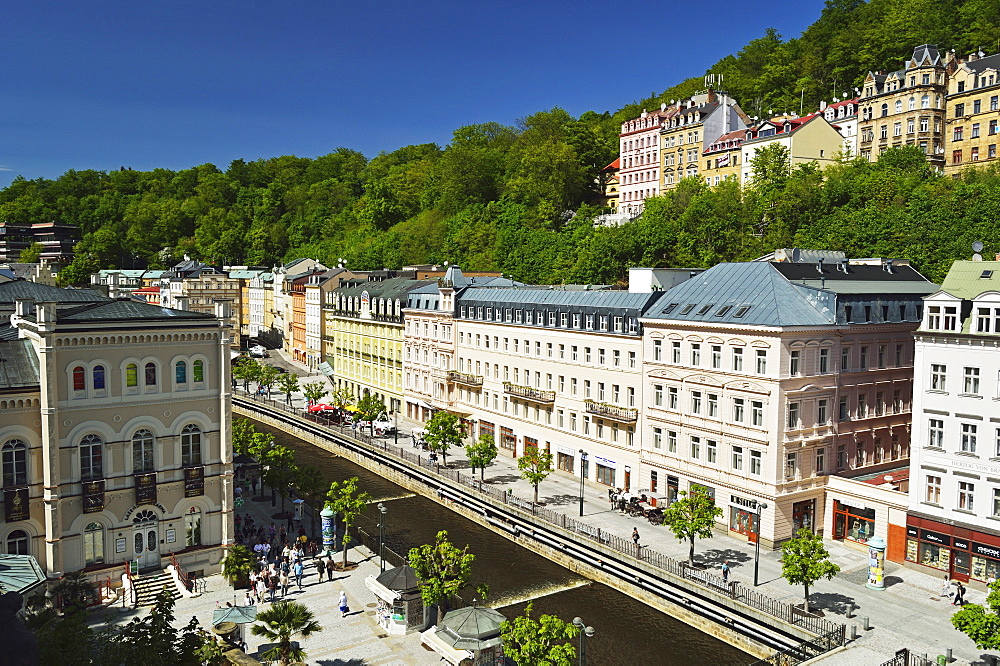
(279,624)
(481,453)
(267,377)
(370,408)
(247,371)
(443,570)
(311,485)
(692,516)
(535,466)
(288,383)
(278,464)
(238,564)
(341,398)
(345,498)
(805,560)
(541,642)
(314,392)
(246,439)
(981,623)
(443,432)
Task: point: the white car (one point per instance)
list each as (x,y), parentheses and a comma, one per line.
(382,426)
(258,351)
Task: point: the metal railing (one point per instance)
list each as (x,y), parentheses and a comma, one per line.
(465,378)
(738,595)
(905,657)
(807,650)
(538,395)
(612,411)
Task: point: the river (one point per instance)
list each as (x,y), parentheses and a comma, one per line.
(627,632)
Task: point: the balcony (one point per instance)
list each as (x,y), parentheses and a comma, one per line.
(533,394)
(464,378)
(624,414)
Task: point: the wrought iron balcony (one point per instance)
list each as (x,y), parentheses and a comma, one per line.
(464,378)
(533,394)
(626,414)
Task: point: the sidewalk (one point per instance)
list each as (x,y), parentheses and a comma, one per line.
(908,613)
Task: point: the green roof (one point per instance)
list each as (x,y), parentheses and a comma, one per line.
(969,279)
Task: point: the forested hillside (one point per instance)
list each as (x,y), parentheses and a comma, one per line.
(515,198)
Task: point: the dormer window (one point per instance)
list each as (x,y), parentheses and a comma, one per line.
(950,318)
(934,317)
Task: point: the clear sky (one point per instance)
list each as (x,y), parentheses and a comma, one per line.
(99,84)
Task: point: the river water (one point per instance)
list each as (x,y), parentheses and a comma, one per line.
(627,632)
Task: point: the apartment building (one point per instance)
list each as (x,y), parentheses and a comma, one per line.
(555,369)
(115,441)
(695,125)
(318,288)
(808,139)
(844,116)
(260,305)
(639,159)
(722,158)
(973,113)
(121,282)
(761,379)
(954,502)
(906,107)
(196,286)
(282,315)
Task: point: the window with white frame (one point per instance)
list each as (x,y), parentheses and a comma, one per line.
(966,496)
(711,451)
(756,462)
(968,441)
(658,395)
(657,438)
(824,360)
(673,397)
(696,402)
(738,407)
(791,466)
(935,433)
(737,458)
(675,352)
(793,362)
(939,372)
(757,413)
(820,461)
(695,447)
(761,361)
(695,354)
(672,441)
(933,489)
(971,385)
(793,415)
(713,406)
(716,356)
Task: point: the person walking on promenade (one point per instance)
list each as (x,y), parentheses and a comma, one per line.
(946,588)
(343,604)
(635,536)
(284,584)
(725,572)
(329,569)
(959,595)
(272,587)
(297,568)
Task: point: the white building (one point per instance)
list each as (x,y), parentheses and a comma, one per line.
(640,172)
(844,116)
(955,480)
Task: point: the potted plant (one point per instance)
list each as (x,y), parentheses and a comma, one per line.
(237,566)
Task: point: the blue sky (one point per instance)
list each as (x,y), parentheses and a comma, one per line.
(100,84)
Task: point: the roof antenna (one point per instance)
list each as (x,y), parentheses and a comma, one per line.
(819,265)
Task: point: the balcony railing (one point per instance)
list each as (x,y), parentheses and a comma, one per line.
(536,395)
(464,378)
(628,414)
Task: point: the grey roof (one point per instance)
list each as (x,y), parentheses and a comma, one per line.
(125,309)
(859,279)
(10,291)
(237,614)
(19,573)
(400,578)
(926,52)
(471,628)
(558,297)
(987,62)
(18,365)
(797,255)
(392,288)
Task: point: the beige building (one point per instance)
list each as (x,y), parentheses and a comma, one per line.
(808,139)
(722,158)
(694,126)
(195,286)
(115,437)
(973,114)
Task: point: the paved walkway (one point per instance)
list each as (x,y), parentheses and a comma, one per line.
(909,613)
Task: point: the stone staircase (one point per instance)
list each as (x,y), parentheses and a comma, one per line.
(149,586)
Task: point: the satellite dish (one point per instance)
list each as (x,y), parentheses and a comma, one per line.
(977,257)
(977,246)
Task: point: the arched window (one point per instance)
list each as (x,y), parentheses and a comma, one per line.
(912,104)
(98,376)
(190,445)
(17,543)
(15,463)
(79,379)
(181,372)
(899,106)
(131,375)
(925,102)
(142,451)
(885,110)
(91,457)
(150,374)
(93,544)
(192,527)
(198,370)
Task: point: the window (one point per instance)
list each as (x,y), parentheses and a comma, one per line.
(79,378)
(842,414)
(716,356)
(711,451)
(131,375)
(91,457)
(713,406)
(761,361)
(959,108)
(757,413)
(862,405)
(756,462)
(793,363)
(695,447)
(971,381)
(738,404)
(695,354)
(98,377)
(190,445)
(17,543)
(820,461)
(824,360)
(933,494)
(791,466)
(966,496)
(93,544)
(658,395)
(821,412)
(631,359)
(737,458)
(938,373)
(845,358)
(675,352)
(586,355)
(15,463)
(863,357)
(142,451)
(180,372)
(935,433)
(738,359)
(996,502)
(192,527)
(793,415)
(968,443)
(150,375)
(696,402)
(671,441)
(672,397)
(975,130)
(657,438)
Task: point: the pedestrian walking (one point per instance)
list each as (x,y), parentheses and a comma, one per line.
(959,595)
(635,536)
(298,573)
(725,571)
(272,587)
(284,584)
(343,604)
(329,569)
(947,589)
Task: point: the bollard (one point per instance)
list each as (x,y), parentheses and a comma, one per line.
(947,655)
(851,607)
(854,632)
(866,624)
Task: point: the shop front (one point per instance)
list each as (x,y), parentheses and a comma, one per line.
(744,517)
(963,553)
(565,459)
(853,521)
(605,471)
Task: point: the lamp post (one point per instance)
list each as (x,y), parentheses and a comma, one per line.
(585,632)
(583,457)
(381,539)
(756,555)
(395,428)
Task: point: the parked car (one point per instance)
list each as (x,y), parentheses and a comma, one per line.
(382,425)
(258,352)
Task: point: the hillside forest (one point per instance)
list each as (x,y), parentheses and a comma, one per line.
(521,198)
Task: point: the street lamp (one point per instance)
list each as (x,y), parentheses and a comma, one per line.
(395,428)
(582,473)
(587,632)
(381,540)
(756,555)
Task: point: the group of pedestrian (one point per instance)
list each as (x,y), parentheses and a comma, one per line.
(954,590)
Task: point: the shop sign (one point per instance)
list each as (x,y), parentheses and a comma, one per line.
(565,450)
(604,462)
(961,544)
(854,503)
(935,537)
(912,532)
(93,496)
(145,488)
(986,551)
(742,501)
(15,504)
(194,481)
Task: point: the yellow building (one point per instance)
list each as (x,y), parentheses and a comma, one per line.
(722,158)
(363,337)
(973,114)
(610,185)
(906,107)
(808,139)
(690,130)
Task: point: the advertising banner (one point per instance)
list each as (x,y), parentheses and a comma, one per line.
(194,481)
(15,504)
(93,496)
(145,488)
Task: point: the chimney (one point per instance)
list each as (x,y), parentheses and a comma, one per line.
(46,315)
(223,309)
(822,105)
(819,265)
(23,306)
(712,96)
(888,265)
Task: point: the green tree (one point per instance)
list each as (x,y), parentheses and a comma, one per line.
(311,485)
(770,167)
(981,623)
(279,469)
(30,254)
(237,565)
(345,498)
(370,408)
(314,392)
(443,571)
(342,397)
(535,466)
(541,642)
(805,560)
(267,377)
(279,623)
(443,432)
(481,453)
(149,640)
(692,516)
(288,383)
(246,439)
(247,371)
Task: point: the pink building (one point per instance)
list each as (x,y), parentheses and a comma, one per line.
(639,150)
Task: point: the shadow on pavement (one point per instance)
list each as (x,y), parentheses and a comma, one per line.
(562,500)
(342,662)
(832,602)
(503,478)
(716,556)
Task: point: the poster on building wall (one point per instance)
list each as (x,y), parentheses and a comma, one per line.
(194,481)
(15,504)
(145,488)
(93,496)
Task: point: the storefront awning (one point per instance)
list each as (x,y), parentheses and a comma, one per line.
(420,403)
(380,590)
(447,652)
